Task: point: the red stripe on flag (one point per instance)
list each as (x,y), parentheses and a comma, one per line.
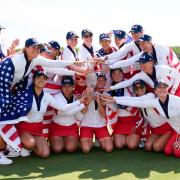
(14,136)
(6,128)
(20,146)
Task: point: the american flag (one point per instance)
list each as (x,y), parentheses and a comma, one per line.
(9,133)
(52,88)
(14,106)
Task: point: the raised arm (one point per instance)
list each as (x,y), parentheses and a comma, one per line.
(120,53)
(135,103)
(50,64)
(127,83)
(125,63)
(59,105)
(60,71)
(146,97)
(74,110)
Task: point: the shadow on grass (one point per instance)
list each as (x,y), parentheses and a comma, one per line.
(95,165)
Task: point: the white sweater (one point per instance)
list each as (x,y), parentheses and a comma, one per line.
(47,100)
(92,117)
(163,72)
(19,63)
(164,55)
(67,118)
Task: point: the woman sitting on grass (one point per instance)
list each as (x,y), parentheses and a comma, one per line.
(31,132)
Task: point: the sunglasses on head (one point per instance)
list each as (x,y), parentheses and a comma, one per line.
(136,88)
(162,86)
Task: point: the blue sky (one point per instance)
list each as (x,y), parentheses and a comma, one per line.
(52,19)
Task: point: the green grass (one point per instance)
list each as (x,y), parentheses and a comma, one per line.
(176,49)
(122,164)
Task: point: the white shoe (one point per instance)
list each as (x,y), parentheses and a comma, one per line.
(24,152)
(4,160)
(10,152)
(13,154)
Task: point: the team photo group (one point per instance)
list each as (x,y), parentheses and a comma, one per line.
(124,94)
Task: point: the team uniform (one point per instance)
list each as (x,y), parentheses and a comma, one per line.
(14,69)
(65,123)
(70,54)
(129,119)
(162,55)
(93,123)
(160,72)
(168,111)
(35,116)
(53,87)
(101,53)
(127,51)
(85,53)
(157,123)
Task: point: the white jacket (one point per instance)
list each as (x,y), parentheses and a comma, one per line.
(67,118)
(163,72)
(173,109)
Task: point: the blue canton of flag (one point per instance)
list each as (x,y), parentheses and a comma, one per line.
(12,106)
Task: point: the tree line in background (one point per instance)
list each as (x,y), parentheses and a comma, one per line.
(176,49)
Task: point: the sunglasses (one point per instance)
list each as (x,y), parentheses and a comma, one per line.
(136,88)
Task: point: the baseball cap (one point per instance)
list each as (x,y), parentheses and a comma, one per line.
(1,27)
(139,81)
(104,36)
(157,83)
(86,32)
(120,34)
(145,37)
(136,28)
(31,42)
(145,57)
(54,44)
(101,74)
(67,80)
(39,73)
(43,48)
(71,34)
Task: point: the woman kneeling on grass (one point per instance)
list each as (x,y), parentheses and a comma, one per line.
(167,106)
(93,120)
(31,132)
(63,132)
(160,130)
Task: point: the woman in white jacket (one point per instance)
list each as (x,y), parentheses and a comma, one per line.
(168,107)
(150,73)
(63,131)
(31,132)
